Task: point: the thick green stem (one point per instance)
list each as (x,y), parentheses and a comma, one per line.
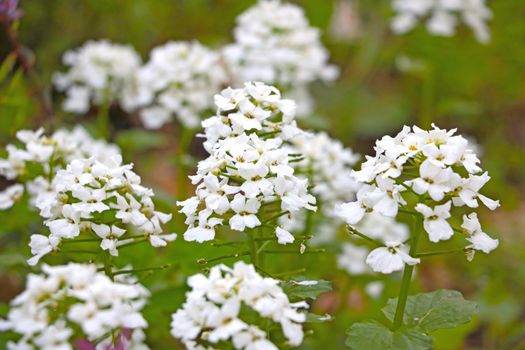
(407,276)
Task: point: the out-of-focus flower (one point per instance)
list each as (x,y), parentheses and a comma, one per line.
(100,73)
(179,82)
(443,16)
(9,11)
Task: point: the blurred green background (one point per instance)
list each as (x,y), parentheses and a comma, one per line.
(454,82)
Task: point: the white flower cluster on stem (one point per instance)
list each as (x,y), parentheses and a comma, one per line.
(425,173)
(71,303)
(178,81)
(443,16)
(101,200)
(100,73)
(248,168)
(33,166)
(214,309)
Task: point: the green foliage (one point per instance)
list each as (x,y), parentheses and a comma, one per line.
(298,290)
(373,335)
(435,310)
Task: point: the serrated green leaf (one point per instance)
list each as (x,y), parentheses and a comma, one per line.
(436,310)
(305,289)
(373,335)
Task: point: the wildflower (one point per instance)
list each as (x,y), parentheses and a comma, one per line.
(443,16)
(212,310)
(99,73)
(390,258)
(94,307)
(178,82)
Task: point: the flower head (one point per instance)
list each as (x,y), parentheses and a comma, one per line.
(94,307)
(213,310)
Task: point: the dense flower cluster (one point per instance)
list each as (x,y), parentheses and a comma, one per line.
(178,81)
(443,16)
(213,310)
(72,304)
(33,166)
(275,43)
(101,199)
(100,73)
(435,167)
(248,167)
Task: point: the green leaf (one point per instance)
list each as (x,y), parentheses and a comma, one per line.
(7,65)
(305,289)
(315,318)
(373,335)
(436,310)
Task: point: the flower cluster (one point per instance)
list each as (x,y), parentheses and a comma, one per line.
(99,73)
(213,310)
(274,43)
(72,304)
(248,169)
(442,16)
(33,166)
(425,173)
(179,81)
(100,200)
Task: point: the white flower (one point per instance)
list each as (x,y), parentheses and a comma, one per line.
(283,236)
(429,171)
(178,81)
(10,195)
(275,44)
(212,310)
(89,188)
(92,305)
(435,221)
(443,16)
(479,239)
(389,258)
(99,73)
(34,165)
(249,169)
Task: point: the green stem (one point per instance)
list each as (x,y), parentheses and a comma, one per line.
(252,245)
(440,252)
(205,261)
(407,277)
(362,235)
(185,137)
(311,251)
(121,272)
(103,121)
(107,265)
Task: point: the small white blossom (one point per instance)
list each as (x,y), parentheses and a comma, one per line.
(390,258)
(479,239)
(435,221)
(212,310)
